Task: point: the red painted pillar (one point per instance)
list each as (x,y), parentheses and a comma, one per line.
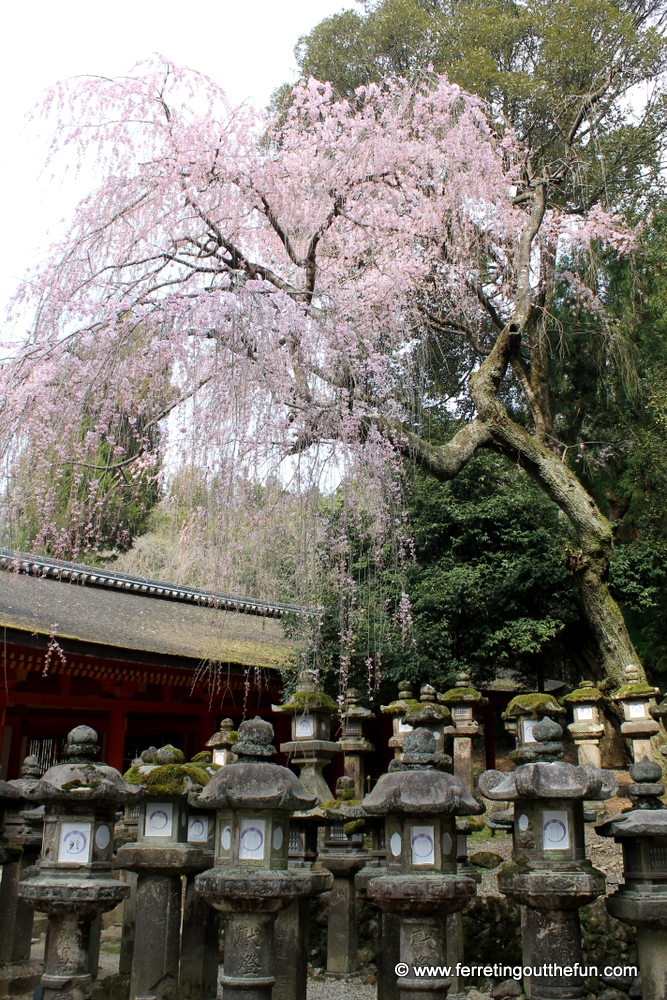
(116,736)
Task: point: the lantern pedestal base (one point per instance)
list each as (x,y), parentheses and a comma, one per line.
(72,905)
(290,936)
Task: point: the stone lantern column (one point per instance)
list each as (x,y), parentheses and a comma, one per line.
(398,710)
(250,881)
(642,900)
(462,700)
(171,842)
(587,728)
(549,874)
(353,741)
(420,802)
(311,747)
(343,856)
(73,881)
(636,700)
(222,744)
(23,827)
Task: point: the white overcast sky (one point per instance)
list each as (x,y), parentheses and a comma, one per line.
(246,47)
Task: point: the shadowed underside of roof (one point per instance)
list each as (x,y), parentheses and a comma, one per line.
(135,621)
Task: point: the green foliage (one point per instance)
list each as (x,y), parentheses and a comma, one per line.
(488,585)
(531,60)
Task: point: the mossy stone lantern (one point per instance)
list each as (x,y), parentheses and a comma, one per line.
(420,803)
(353,740)
(463,700)
(171,842)
(642,900)
(637,698)
(549,874)
(250,882)
(398,709)
(522,715)
(10,801)
(222,743)
(430,714)
(311,747)
(23,828)
(73,881)
(587,727)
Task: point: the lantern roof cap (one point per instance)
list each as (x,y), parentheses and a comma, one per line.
(554,780)
(420,752)
(586,692)
(164,772)
(404,702)
(352,708)
(80,778)
(463,691)
(254,785)
(415,786)
(648,817)
(29,775)
(426,711)
(226,736)
(659,711)
(307,697)
(633,687)
(535,705)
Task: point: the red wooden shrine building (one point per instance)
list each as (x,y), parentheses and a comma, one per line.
(129,656)
(144,662)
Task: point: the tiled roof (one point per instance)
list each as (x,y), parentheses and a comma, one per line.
(83,603)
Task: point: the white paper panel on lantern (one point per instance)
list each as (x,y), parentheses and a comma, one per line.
(219,755)
(528,727)
(585,713)
(159,819)
(74,847)
(304,725)
(555,830)
(422,839)
(404,727)
(251,839)
(198,829)
(636,709)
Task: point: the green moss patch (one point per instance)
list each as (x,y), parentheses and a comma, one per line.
(168,779)
(535,704)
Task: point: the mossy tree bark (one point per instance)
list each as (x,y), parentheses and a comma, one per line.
(494,428)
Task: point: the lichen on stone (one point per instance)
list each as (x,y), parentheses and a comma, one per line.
(401,706)
(354,826)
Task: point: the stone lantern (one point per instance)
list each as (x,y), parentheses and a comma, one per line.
(642,900)
(462,701)
(637,699)
(549,874)
(73,880)
(311,747)
(172,841)
(432,715)
(222,743)
(420,802)
(522,715)
(587,728)
(23,834)
(398,710)
(343,855)
(353,740)
(250,882)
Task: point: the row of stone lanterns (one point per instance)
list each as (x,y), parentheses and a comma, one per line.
(246,850)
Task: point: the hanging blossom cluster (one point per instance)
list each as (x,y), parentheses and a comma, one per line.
(250,295)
